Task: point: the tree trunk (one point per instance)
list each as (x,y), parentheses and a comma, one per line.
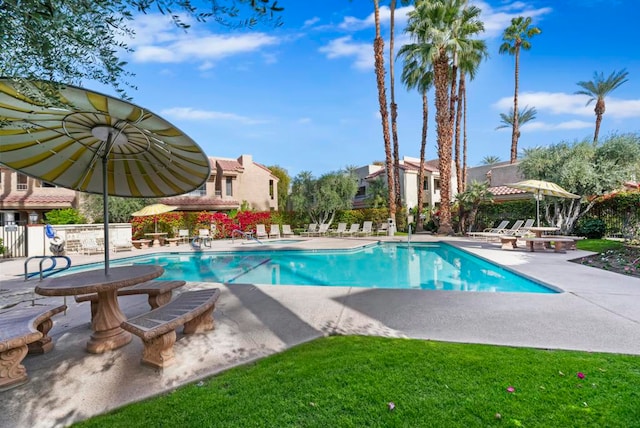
(378,51)
(459,181)
(464,145)
(599,112)
(444,131)
(423,146)
(514,132)
(394,107)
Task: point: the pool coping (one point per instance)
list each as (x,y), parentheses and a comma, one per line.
(597,312)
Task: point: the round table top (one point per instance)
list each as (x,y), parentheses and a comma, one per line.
(95,281)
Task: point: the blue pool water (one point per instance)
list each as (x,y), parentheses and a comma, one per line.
(433,266)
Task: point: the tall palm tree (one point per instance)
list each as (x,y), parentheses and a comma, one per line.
(525,115)
(468,63)
(599,88)
(417,73)
(393,105)
(516,37)
(378,52)
(437,25)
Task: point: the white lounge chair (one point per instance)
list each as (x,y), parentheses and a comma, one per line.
(286,231)
(353,229)
(322,230)
(274,231)
(383,229)
(367,228)
(342,227)
(313,229)
(261,232)
(183,234)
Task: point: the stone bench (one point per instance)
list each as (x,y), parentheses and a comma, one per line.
(141,243)
(559,244)
(572,244)
(172,242)
(157,328)
(509,242)
(23,330)
(159,293)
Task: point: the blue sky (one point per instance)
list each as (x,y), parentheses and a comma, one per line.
(303,96)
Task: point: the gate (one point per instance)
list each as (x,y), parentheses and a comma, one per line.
(14,239)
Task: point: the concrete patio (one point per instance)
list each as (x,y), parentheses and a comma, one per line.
(597,311)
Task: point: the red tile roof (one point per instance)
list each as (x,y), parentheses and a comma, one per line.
(505,190)
(34,201)
(229,165)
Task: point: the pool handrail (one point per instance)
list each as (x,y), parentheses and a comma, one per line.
(245,234)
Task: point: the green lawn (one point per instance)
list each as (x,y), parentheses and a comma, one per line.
(598,245)
(350,381)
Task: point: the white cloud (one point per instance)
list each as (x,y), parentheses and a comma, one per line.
(347,47)
(159,40)
(188,113)
(310,22)
(351,23)
(497,19)
(563,103)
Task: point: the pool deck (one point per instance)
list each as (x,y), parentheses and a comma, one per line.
(597,311)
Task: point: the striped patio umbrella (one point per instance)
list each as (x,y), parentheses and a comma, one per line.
(94,143)
(154,210)
(540,188)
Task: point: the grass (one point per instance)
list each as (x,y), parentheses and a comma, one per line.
(344,381)
(598,245)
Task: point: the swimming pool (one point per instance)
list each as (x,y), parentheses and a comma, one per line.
(431,266)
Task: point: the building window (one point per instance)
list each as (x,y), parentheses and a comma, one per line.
(200,191)
(22,182)
(271,189)
(229,185)
(362,190)
(436,184)
(425,184)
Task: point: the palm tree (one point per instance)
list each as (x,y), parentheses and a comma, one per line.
(491,160)
(417,73)
(516,37)
(526,115)
(394,106)
(599,88)
(468,63)
(378,52)
(437,25)
(470,201)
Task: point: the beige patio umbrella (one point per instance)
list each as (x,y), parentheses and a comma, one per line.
(94,143)
(154,210)
(539,188)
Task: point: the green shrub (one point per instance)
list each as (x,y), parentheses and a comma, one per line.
(592,228)
(66,216)
(1,246)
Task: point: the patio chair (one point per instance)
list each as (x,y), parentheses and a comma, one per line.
(91,246)
(183,234)
(383,229)
(261,232)
(322,230)
(313,228)
(525,227)
(342,227)
(286,231)
(367,228)
(498,229)
(353,229)
(274,231)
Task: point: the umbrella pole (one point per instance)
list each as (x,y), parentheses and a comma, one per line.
(538,208)
(105,205)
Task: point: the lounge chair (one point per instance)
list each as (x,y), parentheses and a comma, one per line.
(367,228)
(183,234)
(261,232)
(274,231)
(91,246)
(313,229)
(512,231)
(353,229)
(527,224)
(121,245)
(383,229)
(342,227)
(286,231)
(323,229)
